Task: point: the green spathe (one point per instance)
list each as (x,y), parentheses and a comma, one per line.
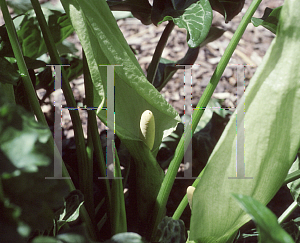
(272,138)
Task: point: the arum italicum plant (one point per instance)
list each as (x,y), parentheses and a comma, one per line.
(272,138)
(271,124)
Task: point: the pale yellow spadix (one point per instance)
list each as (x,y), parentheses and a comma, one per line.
(189,192)
(147,126)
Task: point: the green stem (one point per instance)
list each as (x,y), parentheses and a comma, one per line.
(178,156)
(158,51)
(184,202)
(118,202)
(85,184)
(89,169)
(288,212)
(94,134)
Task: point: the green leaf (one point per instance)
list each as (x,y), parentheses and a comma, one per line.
(166,68)
(5,46)
(75,68)
(266,222)
(205,140)
(8,74)
(30,62)
(127,237)
(272,139)
(45,79)
(188,239)
(8,89)
(66,47)
(228,8)
(22,139)
(77,234)
(30,35)
(38,198)
(20,6)
(168,146)
(295,185)
(293,228)
(104,44)
(140,9)
(33,63)
(122,14)
(208,114)
(269,20)
(12,227)
(72,205)
(25,162)
(196,19)
(45,239)
(172,230)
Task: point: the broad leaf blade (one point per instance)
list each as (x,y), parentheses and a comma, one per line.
(269,20)
(196,19)
(30,35)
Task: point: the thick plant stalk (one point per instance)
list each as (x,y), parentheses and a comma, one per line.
(272,139)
